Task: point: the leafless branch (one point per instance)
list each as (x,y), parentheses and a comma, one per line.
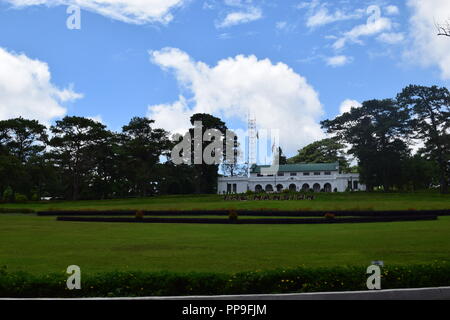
(444,29)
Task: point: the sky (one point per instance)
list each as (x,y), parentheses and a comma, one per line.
(291,63)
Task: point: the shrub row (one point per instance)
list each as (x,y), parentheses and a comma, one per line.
(134,284)
(16,210)
(248,221)
(259,213)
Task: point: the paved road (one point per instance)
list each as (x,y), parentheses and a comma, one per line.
(442,293)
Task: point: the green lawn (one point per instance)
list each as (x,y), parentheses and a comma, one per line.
(42,245)
(334,201)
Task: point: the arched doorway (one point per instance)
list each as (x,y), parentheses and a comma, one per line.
(269,188)
(280,188)
(258,188)
(305,187)
(316,187)
(327,187)
(293,187)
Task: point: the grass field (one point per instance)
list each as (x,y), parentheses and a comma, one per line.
(323,201)
(41,245)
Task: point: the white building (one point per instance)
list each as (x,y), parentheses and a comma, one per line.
(319,177)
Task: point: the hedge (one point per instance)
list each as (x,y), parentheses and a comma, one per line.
(250,221)
(269,212)
(16,210)
(134,284)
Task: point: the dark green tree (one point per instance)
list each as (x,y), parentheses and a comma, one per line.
(429,108)
(377,135)
(205,175)
(142,147)
(323,151)
(74,146)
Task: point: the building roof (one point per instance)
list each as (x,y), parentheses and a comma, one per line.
(301,167)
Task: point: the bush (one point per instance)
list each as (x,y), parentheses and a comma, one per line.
(35,197)
(20,198)
(8,195)
(233,216)
(139,215)
(330,216)
(298,280)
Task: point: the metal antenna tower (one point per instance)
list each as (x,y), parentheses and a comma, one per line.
(252,139)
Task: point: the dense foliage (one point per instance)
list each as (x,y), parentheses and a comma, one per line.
(302,279)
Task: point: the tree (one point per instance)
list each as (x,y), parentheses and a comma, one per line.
(74,146)
(205,175)
(282,160)
(143,146)
(22,142)
(376,133)
(23,138)
(323,151)
(429,108)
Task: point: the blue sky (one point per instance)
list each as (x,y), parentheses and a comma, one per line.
(293,63)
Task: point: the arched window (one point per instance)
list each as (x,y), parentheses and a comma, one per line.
(327,187)
(258,188)
(292,187)
(269,188)
(305,187)
(316,187)
(279,187)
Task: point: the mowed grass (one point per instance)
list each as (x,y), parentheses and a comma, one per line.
(42,245)
(323,201)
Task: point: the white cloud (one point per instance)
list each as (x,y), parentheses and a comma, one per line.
(374,25)
(130,11)
(26,89)
(279,97)
(392,10)
(427,48)
(240,17)
(98,118)
(391,37)
(348,104)
(323,17)
(338,61)
(280,25)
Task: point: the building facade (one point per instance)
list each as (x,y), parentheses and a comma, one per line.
(317,177)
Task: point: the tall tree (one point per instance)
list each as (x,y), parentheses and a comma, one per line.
(74,146)
(23,138)
(323,151)
(429,108)
(143,146)
(206,174)
(376,133)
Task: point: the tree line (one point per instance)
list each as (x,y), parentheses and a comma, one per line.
(79,158)
(380,136)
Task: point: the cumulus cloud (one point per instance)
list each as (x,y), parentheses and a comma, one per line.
(279,97)
(348,104)
(427,48)
(338,61)
(130,11)
(239,17)
(26,89)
